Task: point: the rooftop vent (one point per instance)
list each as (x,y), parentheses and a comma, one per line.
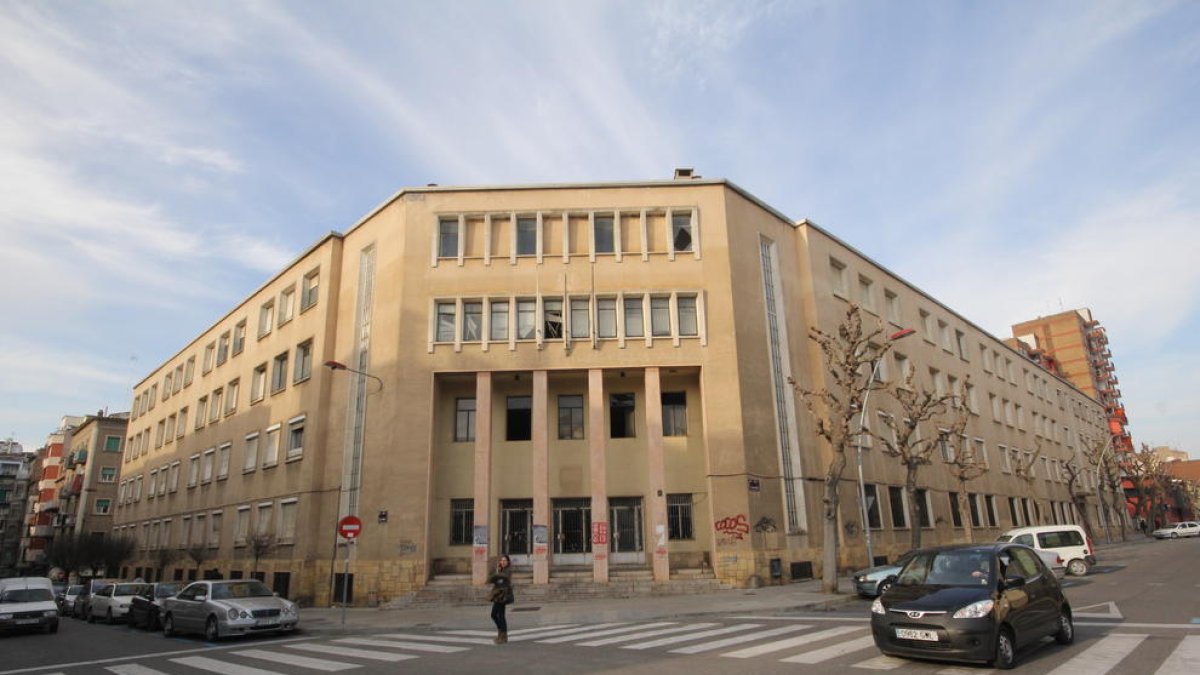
(685,173)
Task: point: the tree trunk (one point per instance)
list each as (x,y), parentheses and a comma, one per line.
(829,571)
(1081,508)
(964,510)
(914,519)
(1107,514)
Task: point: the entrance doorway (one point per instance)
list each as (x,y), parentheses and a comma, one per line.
(572,531)
(626,540)
(516,530)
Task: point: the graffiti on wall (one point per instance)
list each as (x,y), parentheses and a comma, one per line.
(734,528)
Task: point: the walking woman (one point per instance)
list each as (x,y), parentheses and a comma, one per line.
(502,594)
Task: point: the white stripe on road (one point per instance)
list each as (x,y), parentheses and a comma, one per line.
(739,639)
(645,634)
(880,662)
(573,632)
(964,671)
(296,660)
(693,636)
(133,669)
(1185,660)
(780,645)
(833,652)
(222,667)
(397,644)
(523,631)
(350,651)
(436,638)
(610,631)
(1102,656)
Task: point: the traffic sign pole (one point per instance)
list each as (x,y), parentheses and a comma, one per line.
(348,528)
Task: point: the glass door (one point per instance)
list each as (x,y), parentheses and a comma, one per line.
(625,539)
(516,529)
(572,531)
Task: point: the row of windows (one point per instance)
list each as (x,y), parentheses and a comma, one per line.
(937,331)
(232,342)
(556,318)
(214,463)
(223,401)
(594,233)
(680,525)
(983,509)
(621,420)
(275,521)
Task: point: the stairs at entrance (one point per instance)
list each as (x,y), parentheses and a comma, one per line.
(566,584)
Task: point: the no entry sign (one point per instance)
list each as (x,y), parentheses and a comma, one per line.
(349,527)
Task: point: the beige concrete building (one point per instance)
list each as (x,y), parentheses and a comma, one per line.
(586,377)
(87,485)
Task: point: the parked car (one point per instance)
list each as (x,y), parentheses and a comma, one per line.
(1054,561)
(1188,528)
(145,608)
(1068,541)
(873,581)
(222,608)
(111,603)
(81,608)
(66,600)
(27,603)
(977,603)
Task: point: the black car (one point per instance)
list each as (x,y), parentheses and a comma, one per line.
(971,603)
(145,607)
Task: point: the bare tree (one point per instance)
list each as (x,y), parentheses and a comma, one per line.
(1023,466)
(199,554)
(68,551)
(162,557)
(849,353)
(115,552)
(1111,473)
(1144,469)
(1095,451)
(964,463)
(1079,492)
(260,545)
(905,442)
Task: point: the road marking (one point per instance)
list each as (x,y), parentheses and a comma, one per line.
(511,633)
(693,636)
(1111,613)
(1100,657)
(222,667)
(833,652)
(396,644)
(780,645)
(646,634)
(610,631)
(880,662)
(846,619)
(1185,660)
(133,669)
(1122,624)
(358,653)
(151,655)
(296,660)
(964,671)
(437,638)
(739,639)
(574,632)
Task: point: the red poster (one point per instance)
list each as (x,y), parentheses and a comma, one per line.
(599,533)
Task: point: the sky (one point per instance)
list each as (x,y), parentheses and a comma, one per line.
(161,160)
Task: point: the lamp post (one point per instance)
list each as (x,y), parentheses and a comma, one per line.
(354,482)
(862,425)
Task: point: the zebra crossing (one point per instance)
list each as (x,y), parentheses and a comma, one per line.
(806,642)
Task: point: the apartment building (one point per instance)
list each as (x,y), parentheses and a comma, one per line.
(42,502)
(87,484)
(585,377)
(14,481)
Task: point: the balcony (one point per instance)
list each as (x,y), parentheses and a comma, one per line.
(48,505)
(35,556)
(41,531)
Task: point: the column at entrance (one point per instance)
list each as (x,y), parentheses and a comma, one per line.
(658,475)
(483,478)
(541,480)
(596,449)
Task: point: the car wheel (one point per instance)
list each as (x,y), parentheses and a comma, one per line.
(884,586)
(1006,650)
(1174,535)
(91,617)
(1066,629)
(1077,567)
(168,626)
(152,622)
(109,618)
(212,631)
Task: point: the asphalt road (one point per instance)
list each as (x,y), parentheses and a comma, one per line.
(1135,616)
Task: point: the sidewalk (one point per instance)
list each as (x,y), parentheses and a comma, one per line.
(804,595)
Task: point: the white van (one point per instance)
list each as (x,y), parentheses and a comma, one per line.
(1070,542)
(28,603)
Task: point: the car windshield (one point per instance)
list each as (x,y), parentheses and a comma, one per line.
(240,589)
(165,590)
(948,568)
(128,589)
(1004,538)
(74,590)
(26,595)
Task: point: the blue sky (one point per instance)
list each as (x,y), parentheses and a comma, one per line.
(160,160)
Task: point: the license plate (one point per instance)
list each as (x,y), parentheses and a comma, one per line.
(909,634)
(26,622)
(266,623)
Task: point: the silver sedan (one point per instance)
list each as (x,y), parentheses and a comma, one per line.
(222,608)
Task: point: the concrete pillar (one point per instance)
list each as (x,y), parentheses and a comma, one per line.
(656,462)
(483,478)
(541,481)
(599,471)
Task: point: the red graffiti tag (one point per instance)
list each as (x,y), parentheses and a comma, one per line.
(735,526)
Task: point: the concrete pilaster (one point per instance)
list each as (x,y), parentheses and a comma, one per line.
(658,476)
(599,469)
(483,478)
(541,480)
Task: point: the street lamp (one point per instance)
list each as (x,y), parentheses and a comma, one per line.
(357,441)
(862,425)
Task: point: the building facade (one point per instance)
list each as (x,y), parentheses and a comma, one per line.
(42,501)
(14,482)
(585,377)
(91,469)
